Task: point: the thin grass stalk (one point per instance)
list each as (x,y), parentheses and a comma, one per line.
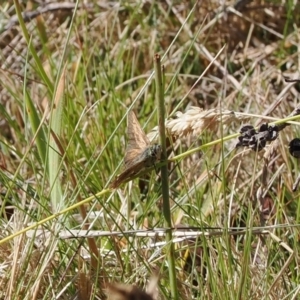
(54,216)
(36,127)
(32,50)
(165,174)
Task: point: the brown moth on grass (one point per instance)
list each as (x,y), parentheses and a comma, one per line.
(140,154)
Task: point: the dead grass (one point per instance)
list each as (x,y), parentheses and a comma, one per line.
(107,51)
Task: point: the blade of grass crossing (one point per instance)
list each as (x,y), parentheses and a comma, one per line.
(54,157)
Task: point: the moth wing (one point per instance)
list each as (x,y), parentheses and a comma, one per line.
(136,136)
(132,157)
(128,174)
(137,139)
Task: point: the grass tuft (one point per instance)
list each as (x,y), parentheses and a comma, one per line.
(69,74)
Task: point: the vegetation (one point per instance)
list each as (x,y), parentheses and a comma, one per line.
(71,72)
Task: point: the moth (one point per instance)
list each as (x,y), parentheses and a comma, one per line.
(139,155)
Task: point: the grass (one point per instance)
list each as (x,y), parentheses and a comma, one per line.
(68,79)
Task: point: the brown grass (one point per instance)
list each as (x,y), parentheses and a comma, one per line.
(107,59)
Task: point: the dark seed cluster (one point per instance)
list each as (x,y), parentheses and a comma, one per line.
(257,140)
(294,147)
